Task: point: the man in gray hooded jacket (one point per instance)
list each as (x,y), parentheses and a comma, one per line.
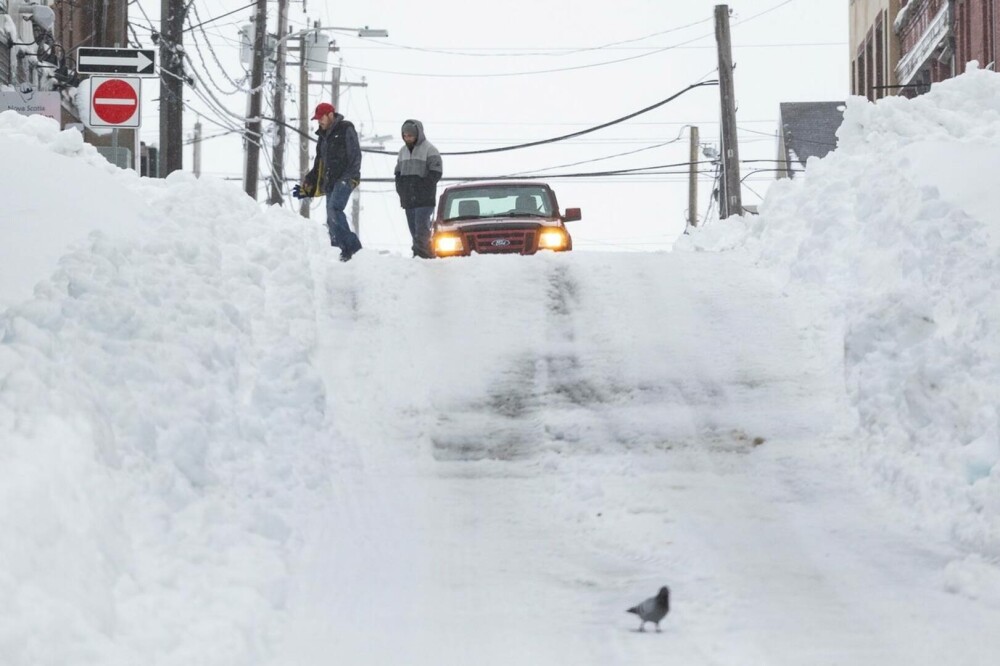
(418,170)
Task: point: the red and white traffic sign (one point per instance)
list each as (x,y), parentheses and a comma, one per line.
(114,102)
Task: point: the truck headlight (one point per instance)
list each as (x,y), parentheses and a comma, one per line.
(448,244)
(553,239)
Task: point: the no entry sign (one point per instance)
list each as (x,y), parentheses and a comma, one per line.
(114,102)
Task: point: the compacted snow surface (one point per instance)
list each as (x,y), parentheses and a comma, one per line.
(219,445)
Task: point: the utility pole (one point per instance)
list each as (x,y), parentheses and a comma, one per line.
(693,178)
(337,84)
(310,60)
(335,76)
(303,119)
(375,142)
(278,162)
(253,125)
(196,141)
(730,199)
(171,86)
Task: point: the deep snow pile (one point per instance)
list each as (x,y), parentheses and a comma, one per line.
(148,395)
(899,229)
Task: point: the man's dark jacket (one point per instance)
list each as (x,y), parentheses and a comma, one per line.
(338,157)
(418,171)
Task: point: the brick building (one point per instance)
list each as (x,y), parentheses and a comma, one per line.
(77,23)
(938,37)
(874,47)
(976,24)
(904,46)
(91,23)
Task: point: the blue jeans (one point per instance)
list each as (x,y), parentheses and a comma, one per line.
(419,220)
(341,235)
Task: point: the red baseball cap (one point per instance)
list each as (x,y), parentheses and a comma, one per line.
(322,109)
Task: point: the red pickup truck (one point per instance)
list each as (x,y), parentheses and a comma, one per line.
(499,217)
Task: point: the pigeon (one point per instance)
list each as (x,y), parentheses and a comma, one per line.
(653,609)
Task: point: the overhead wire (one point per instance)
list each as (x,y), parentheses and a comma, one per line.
(481,75)
(609,157)
(531,144)
(583,132)
(545,52)
(238,87)
(611,173)
(213,20)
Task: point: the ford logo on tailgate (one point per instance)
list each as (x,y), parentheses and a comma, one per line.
(500,242)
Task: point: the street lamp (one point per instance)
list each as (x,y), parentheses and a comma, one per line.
(372,32)
(361,32)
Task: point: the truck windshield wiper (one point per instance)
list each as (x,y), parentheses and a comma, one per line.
(515,213)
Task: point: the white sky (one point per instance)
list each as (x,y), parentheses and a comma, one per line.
(797,52)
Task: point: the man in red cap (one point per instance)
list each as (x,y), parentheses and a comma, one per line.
(336,172)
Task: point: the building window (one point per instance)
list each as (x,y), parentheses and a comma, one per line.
(880,59)
(860,88)
(869,68)
(5,74)
(987,35)
(967,38)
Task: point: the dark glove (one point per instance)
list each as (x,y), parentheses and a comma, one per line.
(354,183)
(298,193)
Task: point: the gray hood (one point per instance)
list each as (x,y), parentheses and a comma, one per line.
(421,137)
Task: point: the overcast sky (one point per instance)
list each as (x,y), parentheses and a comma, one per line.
(483,75)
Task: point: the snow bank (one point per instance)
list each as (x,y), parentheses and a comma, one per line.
(898,228)
(158,411)
(61,191)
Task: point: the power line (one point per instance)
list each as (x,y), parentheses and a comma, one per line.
(576,67)
(590,129)
(567,50)
(531,144)
(608,157)
(237,89)
(535,52)
(481,75)
(213,20)
(636,171)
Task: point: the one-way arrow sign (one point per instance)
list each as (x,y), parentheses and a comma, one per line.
(98,60)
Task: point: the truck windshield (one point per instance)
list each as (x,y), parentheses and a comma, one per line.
(469,203)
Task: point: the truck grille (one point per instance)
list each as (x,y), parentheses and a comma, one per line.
(501,241)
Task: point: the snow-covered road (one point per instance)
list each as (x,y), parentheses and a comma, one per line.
(530,445)
(220,446)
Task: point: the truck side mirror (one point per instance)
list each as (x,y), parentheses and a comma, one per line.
(572,215)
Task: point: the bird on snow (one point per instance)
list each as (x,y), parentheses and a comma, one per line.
(653,609)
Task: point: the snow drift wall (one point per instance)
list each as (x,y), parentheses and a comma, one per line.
(899,227)
(159,414)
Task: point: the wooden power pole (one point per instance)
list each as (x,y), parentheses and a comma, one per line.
(730,199)
(335,88)
(171,86)
(278,161)
(693,178)
(304,116)
(254,123)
